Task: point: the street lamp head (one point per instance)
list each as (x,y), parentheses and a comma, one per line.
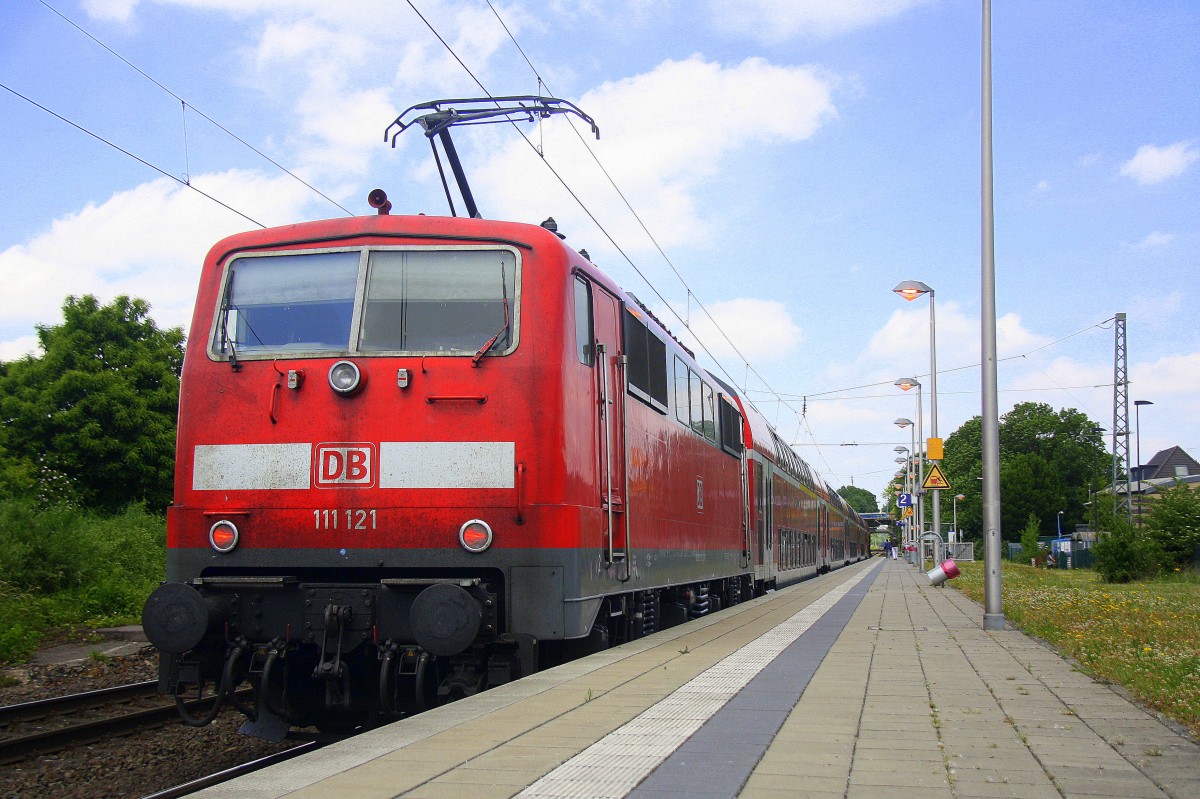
(902,422)
(905,383)
(960,497)
(899,449)
(911,289)
(901,460)
(1142,402)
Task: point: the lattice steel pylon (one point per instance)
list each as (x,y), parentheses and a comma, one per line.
(1120,425)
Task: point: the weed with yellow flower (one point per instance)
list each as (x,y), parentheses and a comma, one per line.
(1144,636)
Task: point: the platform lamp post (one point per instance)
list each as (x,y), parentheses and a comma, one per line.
(1098,432)
(955,538)
(993,606)
(906,383)
(1137,414)
(912,436)
(903,460)
(910,290)
(907,483)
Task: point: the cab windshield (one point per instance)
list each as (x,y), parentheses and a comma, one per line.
(428,302)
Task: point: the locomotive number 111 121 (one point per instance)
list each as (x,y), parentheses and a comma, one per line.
(344,519)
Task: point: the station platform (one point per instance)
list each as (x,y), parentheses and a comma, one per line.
(867,682)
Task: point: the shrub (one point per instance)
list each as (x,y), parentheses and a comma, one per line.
(1125,555)
(1174,524)
(1029,540)
(62,566)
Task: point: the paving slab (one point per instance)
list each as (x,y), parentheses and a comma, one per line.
(867,682)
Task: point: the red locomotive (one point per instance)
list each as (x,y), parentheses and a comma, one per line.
(419,456)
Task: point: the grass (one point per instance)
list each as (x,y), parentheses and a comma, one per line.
(62,568)
(1144,636)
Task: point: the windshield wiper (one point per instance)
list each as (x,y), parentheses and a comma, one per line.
(226,306)
(491,342)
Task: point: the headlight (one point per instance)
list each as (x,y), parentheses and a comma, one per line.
(223,536)
(475,535)
(345,378)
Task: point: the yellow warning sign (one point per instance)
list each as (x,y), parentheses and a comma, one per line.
(935,478)
(907,512)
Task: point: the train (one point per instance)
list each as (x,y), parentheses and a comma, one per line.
(420,456)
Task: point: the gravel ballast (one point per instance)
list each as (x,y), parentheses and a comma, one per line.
(128,767)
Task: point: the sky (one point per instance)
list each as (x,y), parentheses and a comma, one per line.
(767,172)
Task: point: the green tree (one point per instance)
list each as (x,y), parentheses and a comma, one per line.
(1029,540)
(1123,554)
(860,499)
(1049,461)
(1174,524)
(1030,488)
(93,418)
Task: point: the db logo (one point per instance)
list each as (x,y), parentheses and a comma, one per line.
(337,465)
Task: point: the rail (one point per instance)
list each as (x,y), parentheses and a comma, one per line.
(57,723)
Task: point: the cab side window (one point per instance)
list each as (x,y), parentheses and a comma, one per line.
(585,340)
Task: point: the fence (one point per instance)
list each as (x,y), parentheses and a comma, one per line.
(1080,555)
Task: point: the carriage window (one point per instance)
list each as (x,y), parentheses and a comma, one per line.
(710,414)
(682,404)
(585,341)
(647,369)
(697,404)
(731,427)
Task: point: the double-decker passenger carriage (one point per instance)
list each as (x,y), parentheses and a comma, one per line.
(419,456)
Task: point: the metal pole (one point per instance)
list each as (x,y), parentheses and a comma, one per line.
(912,475)
(1141,475)
(1137,415)
(920,456)
(933,425)
(993,614)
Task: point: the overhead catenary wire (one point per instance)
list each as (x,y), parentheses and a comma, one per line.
(186,180)
(186,105)
(824,396)
(686,319)
(1101,325)
(122,150)
(683,319)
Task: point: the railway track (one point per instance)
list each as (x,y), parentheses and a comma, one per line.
(48,725)
(219,777)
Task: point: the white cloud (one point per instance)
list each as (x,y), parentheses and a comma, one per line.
(146,242)
(658,165)
(1012,337)
(1152,164)
(903,341)
(1153,240)
(773,21)
(1170,375)
(110,10)
(1042,187)
(19,348)
(761,330)
(1157,311)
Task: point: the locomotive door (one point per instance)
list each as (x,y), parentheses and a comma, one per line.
(610,420)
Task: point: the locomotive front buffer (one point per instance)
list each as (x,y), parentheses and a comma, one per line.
(380,650)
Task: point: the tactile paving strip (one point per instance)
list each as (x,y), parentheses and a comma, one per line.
(614,765)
